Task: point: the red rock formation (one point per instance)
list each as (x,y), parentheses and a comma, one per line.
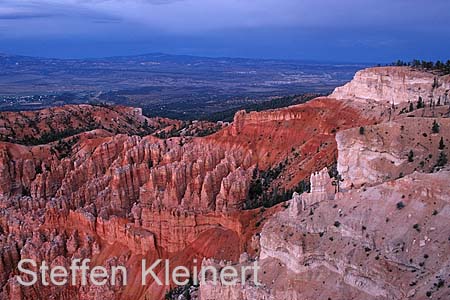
(383,234)
(152,197)
(118,198)
(39,127)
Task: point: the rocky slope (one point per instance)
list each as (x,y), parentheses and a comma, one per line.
(378,230)
(48,125)
(118,196)
(359,244)
(391,150)
(41,127)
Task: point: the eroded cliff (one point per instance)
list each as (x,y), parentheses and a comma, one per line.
(118,198)
(379,228)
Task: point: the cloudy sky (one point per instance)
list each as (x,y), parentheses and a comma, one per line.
(331,30)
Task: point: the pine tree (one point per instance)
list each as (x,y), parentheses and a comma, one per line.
(441,144)
(436,127)
(361,130)
(411,156)
(442,160)
(420,103)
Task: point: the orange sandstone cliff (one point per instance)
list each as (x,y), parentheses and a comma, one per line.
(117,193)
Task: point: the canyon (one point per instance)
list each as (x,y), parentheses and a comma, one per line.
(371,224)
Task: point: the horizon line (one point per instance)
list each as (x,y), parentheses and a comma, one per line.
(306,60)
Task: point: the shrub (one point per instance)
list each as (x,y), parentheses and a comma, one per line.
(361,130)
(400,205)
(440,283)
(411,156)
(38,169)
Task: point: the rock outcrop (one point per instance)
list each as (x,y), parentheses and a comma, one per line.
(52,124)
(358,245)
(391,150)
(322,189)
(383,242)
(379,228)
(394,85)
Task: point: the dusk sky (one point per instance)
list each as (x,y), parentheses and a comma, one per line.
(326,30)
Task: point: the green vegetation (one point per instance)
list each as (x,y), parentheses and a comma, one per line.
(420,103)
(441,144)
(436,127)
(439,66)
(361,130)
(410,156)
(188,129)
(228,115)
(262,193)
(400,205)
(53,135)
(64,147)
(181,292)
(442,160)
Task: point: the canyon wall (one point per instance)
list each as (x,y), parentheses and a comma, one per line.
(394,85)
(359,245)
(116,196)
(379,228)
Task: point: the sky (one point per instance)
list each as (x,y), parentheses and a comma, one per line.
(375,31)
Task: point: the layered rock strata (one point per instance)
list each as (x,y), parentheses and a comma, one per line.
(118,198)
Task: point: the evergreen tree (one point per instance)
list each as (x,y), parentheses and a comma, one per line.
(420,103)
(411,156)
(435,83)
(441,144)
(361,130)
(442,160)
(436,127)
